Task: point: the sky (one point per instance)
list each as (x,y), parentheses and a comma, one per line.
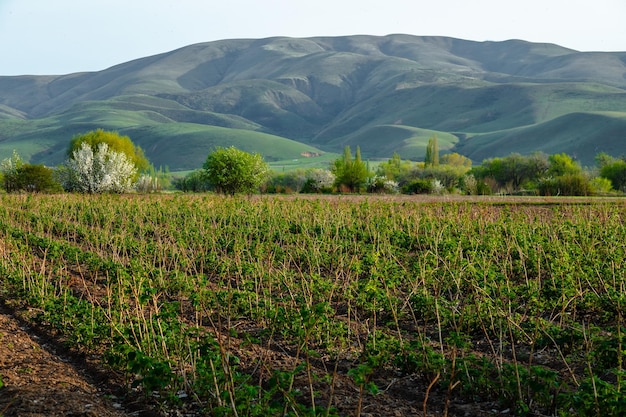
(51,37)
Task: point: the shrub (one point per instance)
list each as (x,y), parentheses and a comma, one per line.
(383,185)
(195,182)
(418,186)
(232,171)
(568,185)
(99,171)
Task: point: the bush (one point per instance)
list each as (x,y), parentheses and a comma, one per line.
(195,182)
(286,182)
(318,181)
(37,179)
(19,176)
(616,173)
(418,186)
(568,185)
(382,185)
(101,170)
(601,185)
(232,171)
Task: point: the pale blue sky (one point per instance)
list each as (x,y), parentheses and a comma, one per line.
(65,36)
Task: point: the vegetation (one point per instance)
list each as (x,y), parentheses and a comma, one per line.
(232,171)
(195,182)
(98,171)
(18,176)
(271,306)
(350,174)
(284,98)
(115,143)
(432,153)
(615,171)
(10,168)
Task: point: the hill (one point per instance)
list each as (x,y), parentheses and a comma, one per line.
(288,97)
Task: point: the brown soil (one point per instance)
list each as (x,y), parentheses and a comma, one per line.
(42,378)
(39,382)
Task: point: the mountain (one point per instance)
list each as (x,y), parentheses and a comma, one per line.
(290,97)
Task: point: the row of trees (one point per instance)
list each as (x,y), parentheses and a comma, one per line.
(97,162)
(101,161)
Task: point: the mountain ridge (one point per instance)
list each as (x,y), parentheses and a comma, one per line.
(327,92)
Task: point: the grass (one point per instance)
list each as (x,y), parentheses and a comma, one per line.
(409,142)
(327,92)
(571,130)
(327,306)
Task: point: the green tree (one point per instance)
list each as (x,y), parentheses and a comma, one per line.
(456,160)
(432,152)
(37,179)
(115,142)
(394,168)
(563,164)
(350,173)
(20,176)
(196,182)
(602,159)
(513,171)
(232,171)
(615,172)
(9,168)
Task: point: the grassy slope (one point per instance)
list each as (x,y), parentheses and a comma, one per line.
(582,135)
(381,141)
(386,94)
(179,145)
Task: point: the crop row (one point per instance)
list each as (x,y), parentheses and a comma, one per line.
(273,306)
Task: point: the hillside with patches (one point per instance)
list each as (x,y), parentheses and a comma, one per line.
(288,98)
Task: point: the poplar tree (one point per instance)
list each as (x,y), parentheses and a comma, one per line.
(350,173)
(432,152)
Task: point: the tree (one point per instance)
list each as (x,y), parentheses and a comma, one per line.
(20,176)
(37,179)
(232,171)
(115,143)
(602,159)
(514,170)
(9,168)
(432,152)
(563,164)
(318,181)
(394,168)
(196,182)
(104,170)
(616,172)
(350,173)
(457,160)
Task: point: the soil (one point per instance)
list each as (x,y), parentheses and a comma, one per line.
(40,381)
(43,378)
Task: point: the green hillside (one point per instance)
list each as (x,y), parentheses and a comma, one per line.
(584,134)
(285,97)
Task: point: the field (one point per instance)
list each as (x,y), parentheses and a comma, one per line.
(348,306)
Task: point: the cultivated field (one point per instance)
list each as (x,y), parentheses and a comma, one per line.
(204,305)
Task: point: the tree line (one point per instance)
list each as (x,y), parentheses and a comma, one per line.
(101,161)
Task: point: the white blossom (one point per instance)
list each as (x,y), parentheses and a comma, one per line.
(101,171)
(320,178)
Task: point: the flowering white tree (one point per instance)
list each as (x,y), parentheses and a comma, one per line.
(101,171)
(9,168)
(319,179)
